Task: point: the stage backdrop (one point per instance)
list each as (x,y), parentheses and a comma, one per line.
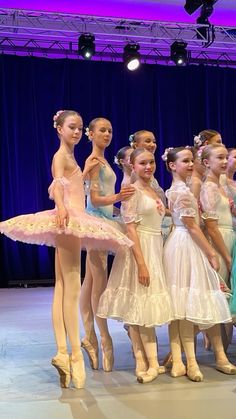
(175,103)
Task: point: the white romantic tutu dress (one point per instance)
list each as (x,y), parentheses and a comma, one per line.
(41,228)
(216,205)
(125,299)
(193,284)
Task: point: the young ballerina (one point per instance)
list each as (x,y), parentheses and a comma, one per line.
(190,270)
(217,215)
(206,137)
(146,139)
(122,160)
(136,291)
(100,202)
(67,227)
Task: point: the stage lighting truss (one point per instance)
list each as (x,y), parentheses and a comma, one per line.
(56,35)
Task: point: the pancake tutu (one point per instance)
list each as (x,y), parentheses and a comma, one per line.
(40,228)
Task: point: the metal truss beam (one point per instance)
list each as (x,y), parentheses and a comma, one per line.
(56,34)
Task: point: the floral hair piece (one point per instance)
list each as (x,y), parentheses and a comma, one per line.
(55,118)
(164,156)
(131,139)
(198,140)
(87,130)
(116,160)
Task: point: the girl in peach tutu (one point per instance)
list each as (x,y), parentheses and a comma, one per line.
(68,228)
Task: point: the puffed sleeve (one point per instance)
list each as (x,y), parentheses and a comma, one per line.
(209,198)
(62,180)
(129,209)
(181,201)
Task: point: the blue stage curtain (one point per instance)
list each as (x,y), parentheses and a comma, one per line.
(175,103)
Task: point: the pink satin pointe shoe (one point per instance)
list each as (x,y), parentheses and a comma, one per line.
(62,363)
(178,370)
(141,367)
(107,358)
(150,375)
(194,373)
(78,373)
(92,352)
(226,368)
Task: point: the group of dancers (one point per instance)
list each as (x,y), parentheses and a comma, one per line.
(188,283)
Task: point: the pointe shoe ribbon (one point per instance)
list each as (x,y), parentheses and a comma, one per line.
(62,363)
(92,353)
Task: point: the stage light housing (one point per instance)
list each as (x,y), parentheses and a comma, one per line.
(131,56)
(86,45)
(178,53)
(192,5)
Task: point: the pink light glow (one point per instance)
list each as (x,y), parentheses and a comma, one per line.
(167,11)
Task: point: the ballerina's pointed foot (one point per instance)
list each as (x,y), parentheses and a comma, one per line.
(178,370)
(62,363)
(226,368)
(194,374)
(107,357)
(78,373)
(150,375)
(92,352)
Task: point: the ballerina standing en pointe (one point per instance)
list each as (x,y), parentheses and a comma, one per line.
(100,202)
(68,228)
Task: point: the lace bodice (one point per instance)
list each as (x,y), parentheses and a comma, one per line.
(215,205)
(181,203)
(144,210)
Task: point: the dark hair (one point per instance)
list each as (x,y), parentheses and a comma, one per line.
(60,119)
(94,121)
(136,153)
(172,155)
(206,152)
(121,155)
(134,138)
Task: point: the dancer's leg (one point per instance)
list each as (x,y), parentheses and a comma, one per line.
(89,342)
(98,266)
(57,309)
(222,362)
(186,329)
(178,367)
(138,349)
(69,259)
(148,338)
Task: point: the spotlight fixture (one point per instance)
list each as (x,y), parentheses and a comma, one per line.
(131,56)
(192,5)
(206,12)
(86,45)
(178,52)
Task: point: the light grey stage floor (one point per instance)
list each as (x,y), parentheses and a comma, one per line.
(29,385)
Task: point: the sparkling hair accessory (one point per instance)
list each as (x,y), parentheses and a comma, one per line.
(131,139)
(116,160)
(55,118)
(87,132)
(197,140)
(164,156)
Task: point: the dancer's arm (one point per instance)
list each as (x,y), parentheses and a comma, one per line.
(143,274)
(217,239)
(98,200)
(58,169)
(199,238)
